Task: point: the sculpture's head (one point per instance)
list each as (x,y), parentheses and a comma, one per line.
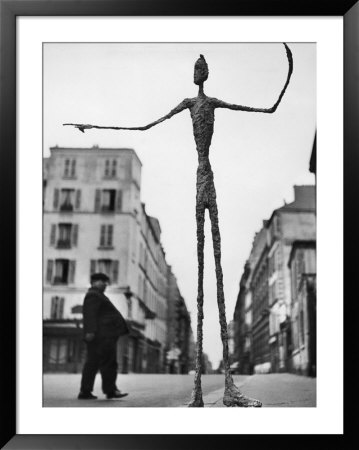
(200,71)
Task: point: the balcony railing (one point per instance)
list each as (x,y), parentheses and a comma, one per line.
(59,280)
(107,208)
(64,243)
(66,207)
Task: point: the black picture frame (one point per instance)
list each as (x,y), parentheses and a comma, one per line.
(9,10)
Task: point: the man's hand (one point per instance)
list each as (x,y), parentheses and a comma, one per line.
(89,337)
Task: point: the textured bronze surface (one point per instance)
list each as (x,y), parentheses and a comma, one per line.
(202,114)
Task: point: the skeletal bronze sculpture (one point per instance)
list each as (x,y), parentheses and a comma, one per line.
(202,114)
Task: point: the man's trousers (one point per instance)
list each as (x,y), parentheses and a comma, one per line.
(101,356)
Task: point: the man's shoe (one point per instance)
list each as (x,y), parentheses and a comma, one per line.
(116,394)
(86,396)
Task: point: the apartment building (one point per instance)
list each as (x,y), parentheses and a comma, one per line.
(266,310)
(94,221)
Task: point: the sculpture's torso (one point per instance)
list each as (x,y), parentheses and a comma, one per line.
(202,114)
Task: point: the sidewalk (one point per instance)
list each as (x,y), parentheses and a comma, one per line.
(276,390)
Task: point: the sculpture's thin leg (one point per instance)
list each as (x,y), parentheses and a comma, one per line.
(216,237)
(196,398)
(232,395)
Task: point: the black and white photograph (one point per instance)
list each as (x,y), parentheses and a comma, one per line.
(174,180)
(179,224)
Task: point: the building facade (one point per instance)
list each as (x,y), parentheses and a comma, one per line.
(291,222)
(94,221)
(244,309)
(302,265)
(152,292)
(179,345)
(263,314)
(260,321)
(242,326)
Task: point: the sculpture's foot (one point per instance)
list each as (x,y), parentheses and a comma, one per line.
(196,400)
(233,397)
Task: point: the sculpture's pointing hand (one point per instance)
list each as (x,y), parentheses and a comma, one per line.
(79,126)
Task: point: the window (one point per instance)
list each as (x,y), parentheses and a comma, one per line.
(108,266)
(108,200)
(67,199)
(60,271)
(66,234)
(67,168)
(107,168)
(73,167)
(110,168)
(64,240)
(105,266)
(57,307)
(106,236)
(70,168)
(114,168)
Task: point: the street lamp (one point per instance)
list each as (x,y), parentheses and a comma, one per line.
(125,358)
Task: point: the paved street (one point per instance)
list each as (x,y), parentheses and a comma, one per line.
(151,390)
(276,390)
(157,390)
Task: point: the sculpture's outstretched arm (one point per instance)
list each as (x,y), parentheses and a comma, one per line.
(183,105)
(221,104)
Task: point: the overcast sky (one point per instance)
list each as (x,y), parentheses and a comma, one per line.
(256,158)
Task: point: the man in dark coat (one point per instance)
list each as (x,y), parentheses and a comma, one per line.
(103,324)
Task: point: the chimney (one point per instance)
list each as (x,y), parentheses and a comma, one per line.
(304,196)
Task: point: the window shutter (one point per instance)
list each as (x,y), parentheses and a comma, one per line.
(78,199)
(114,168)
(50,266)
(73,167)
(53,307)
(56,198)
(119,200)
(97,200)
(61,308)
(72,265)
(107,168)
(67,165)
(92,266)
(102,235)
(75,233)
(53,235)
(109,235)
(114,271)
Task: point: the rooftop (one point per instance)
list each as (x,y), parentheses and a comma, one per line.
(304,200)
(93,149)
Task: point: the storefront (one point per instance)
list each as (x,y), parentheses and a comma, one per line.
(63,347)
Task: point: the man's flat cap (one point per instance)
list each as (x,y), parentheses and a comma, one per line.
(99,276)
